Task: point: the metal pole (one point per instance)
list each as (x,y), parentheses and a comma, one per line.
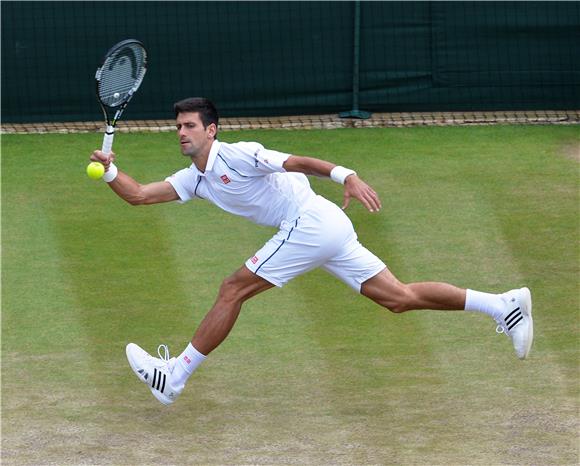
(355,112)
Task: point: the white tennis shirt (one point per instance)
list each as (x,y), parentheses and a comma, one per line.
(248,180)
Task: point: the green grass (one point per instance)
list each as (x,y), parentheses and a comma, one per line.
(312,373)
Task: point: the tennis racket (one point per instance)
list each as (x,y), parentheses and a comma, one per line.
(118,78)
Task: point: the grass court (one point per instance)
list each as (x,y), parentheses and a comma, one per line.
(312,373)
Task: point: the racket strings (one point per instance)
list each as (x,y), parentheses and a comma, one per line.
(121,74)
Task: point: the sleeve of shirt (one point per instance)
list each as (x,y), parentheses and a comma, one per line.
(270,160)
(185,183)
(253,159)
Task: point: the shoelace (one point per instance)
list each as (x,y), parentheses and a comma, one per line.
(165,355)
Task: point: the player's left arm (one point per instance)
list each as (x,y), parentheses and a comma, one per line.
(353,185)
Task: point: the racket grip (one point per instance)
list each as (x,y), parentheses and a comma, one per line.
(108,139)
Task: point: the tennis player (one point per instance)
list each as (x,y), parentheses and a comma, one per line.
(271,188)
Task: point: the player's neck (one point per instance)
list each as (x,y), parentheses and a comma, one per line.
(201,158)
(200,161)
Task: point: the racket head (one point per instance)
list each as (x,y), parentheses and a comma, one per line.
(121,73)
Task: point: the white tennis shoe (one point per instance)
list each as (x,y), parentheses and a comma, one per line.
(155,372)
(516,321)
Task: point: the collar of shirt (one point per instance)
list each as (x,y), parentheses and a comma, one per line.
(213,152)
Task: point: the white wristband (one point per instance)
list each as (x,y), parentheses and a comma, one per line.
(339,174)
(111,173)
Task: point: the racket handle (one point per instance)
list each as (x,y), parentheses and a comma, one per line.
(108,139)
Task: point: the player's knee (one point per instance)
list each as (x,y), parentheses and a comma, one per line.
(402,301)
(397,308)
(230,290)
(387,291)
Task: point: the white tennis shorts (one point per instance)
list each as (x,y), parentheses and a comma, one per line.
(323,237)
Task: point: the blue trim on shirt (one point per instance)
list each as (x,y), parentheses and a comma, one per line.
(195,190)
(232,169)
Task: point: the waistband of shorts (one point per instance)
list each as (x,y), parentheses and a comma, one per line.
(314,202)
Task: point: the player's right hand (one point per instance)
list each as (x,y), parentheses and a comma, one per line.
(105,159)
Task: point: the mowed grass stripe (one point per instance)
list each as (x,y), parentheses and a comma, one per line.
(118,265)
(45,349)
(513,203)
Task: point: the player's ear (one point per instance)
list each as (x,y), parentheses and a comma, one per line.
(212,130)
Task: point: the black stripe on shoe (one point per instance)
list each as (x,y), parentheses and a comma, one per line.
(511,314)
(158,379)
(513,318)
(515,322)
(163,386)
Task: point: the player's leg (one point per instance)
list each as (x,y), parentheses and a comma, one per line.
(366,273)
(167,377)
(385,289)
(281,259)
(297,247)
(218,322)
(512,310)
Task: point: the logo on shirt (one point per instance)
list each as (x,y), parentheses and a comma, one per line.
(225,179)
(257,159)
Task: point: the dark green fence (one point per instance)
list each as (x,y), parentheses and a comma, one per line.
(283,58)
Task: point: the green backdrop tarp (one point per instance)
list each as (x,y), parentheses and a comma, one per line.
(283,58)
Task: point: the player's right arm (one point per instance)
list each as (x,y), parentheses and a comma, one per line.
(133,192)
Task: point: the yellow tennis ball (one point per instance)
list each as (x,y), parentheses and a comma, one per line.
(95,170)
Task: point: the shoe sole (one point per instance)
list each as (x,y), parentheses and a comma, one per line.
(527,310)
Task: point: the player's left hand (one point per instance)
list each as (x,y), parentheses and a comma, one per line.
(357,188)
(105,159)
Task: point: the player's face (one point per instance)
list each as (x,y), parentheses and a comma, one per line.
(194,139)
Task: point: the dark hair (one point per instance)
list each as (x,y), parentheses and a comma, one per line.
(207,112)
